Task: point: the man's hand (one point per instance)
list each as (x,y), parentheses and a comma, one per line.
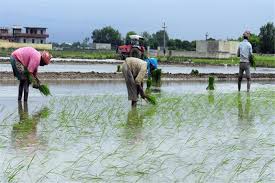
(36,83)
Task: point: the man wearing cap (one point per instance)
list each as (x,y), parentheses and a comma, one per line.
(134,71)
(27,60)
(245,54)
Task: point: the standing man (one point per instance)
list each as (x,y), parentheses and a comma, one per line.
(245,54)
(134,71)
(25,62)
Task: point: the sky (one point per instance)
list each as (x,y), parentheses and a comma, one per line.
(71,21)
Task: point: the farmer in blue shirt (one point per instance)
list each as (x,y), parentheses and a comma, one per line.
(245,54)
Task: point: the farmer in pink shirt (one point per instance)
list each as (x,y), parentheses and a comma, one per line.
(25,62)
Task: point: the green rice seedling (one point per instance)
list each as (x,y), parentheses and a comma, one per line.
(118,68)
(148,86)
(44,89)
(28,75)
(152,99)
(149,82)
(252,62)
(194,72)
(156,77)
(211,81)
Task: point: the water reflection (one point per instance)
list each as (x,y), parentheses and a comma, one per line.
(24,133)
(211,98)
(133,127)
(245,116)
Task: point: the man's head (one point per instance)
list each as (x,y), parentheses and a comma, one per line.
(246,35)
(45,58)
(152,64)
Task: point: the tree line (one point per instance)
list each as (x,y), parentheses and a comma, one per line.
(264,42)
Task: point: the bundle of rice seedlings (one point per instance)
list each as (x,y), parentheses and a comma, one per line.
(252,61)
(211,81)
(28,75)
(194,72)
(118,68)
(156,78)
(44,89)
(149,82)
(156,75)
(151,99)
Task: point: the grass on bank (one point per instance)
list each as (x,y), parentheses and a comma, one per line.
(261,60)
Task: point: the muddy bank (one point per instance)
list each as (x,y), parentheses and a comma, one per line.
(118,76)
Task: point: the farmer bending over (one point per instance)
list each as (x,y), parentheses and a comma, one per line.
(25,62)
(245,54)
(134,70)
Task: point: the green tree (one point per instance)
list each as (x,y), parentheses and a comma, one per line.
(147,38)
(85,42)
(107,35)
(159,37)
(267,38)
(128,40)
(76,45)
(171,44)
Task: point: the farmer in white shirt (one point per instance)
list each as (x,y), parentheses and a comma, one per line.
(245,54)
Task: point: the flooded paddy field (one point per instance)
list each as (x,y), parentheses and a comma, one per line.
(110,68)
(87,132)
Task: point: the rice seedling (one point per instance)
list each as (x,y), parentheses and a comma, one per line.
(194,72)
(252,62)
(96,138)
(211,83)
(118,68)
(152,99)
(44,90)
(156,77)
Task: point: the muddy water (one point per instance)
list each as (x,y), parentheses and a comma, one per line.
(87,132)
(109,68)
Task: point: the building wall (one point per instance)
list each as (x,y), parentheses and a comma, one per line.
(201,46)
(217,46)
(101,46)
(6,45)
(29,40)
(190,54)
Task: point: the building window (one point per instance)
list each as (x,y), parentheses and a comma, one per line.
(32,40)
(24,40)
(41,31)
(41,41)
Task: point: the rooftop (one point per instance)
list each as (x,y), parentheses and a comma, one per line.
(35,27)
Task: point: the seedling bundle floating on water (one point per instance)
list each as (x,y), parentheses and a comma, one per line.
(194,72)
(118,68)
(211,81)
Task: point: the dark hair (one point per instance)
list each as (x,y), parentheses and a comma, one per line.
(245,37)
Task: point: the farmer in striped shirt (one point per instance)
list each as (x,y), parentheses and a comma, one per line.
(25,62)
(134,71)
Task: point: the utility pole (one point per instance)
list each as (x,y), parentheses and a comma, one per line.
(164,41)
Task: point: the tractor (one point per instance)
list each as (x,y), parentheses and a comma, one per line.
(134,49)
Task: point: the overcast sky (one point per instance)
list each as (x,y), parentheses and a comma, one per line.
(69,21)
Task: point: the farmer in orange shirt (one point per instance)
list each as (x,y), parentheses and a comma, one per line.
(25,62)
